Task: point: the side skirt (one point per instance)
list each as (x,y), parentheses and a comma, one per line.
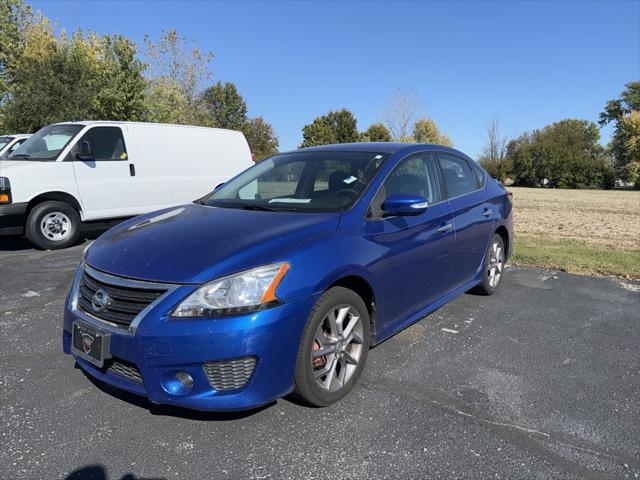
(432,307)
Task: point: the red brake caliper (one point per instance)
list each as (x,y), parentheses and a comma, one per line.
(318,361)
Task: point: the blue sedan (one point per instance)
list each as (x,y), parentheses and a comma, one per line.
(283,278)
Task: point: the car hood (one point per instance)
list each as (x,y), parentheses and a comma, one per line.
(193,244)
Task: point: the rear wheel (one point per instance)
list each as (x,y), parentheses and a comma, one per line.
(334,348)
(53,225)
(493,266)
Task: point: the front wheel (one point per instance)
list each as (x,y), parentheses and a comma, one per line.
(493,266)
(53,225)
(334,348)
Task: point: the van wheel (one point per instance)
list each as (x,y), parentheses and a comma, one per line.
(334,348)
(53,225)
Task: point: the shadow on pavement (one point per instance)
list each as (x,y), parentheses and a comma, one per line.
(15,244)
(98,472)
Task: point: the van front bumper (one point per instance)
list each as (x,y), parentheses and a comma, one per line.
(12,218)
(161,347)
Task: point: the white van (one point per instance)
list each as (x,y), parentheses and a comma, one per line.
(74,172)
(10,143)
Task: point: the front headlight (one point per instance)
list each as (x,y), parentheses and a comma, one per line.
(240,293)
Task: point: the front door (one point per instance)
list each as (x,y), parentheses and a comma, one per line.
(415,265)
(107,182)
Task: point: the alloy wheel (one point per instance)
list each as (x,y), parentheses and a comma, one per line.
(337,348)
(496,264)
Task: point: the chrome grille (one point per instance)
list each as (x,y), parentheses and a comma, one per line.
(124,304)
(124,369)
(229,374)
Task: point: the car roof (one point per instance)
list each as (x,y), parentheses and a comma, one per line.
(379,147)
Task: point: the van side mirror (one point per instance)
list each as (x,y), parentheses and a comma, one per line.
(402,204)
(84,152)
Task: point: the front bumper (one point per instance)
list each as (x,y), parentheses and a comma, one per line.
(161,346)
(12,218)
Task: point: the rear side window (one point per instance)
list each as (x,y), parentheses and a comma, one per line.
(107,143)
(457,175)
(481,175)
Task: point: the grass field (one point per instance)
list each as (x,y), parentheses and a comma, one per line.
(584,231)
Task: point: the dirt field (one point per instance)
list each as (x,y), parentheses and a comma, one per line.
(595,217)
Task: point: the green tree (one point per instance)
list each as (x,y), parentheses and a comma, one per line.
(334,127)
(82,76)
(177,71)
(225,105)
(566,153)
(426,130)
(15,15)
(376,132)
(261,137)
(623,112)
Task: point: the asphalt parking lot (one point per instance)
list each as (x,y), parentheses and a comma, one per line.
(539,381)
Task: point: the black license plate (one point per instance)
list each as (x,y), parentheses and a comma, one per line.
(90,344)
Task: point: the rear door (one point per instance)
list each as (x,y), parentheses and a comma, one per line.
(107,183)
(473,216)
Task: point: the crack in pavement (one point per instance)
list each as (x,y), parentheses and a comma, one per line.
(522,436)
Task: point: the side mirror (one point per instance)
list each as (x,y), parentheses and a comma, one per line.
(404,204)
(84,152)
(218,186)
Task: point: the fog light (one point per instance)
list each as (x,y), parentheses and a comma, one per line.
(185,379)
(177,383)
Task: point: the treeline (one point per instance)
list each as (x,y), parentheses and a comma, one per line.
(47,77)
(567,154)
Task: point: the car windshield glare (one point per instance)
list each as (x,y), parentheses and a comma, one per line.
(46,144)
(329,181)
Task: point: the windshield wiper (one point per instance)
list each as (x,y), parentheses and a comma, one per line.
(264,208)
(19,155)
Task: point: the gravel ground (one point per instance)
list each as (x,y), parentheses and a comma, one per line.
(539,381)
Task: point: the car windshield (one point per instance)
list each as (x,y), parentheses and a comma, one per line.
(46,144)
(300,182)
(4,141)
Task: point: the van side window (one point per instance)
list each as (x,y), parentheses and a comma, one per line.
(457,175)
(107,143)
(415,175)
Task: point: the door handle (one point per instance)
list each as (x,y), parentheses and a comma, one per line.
(487,213)
(132,170)
(445,228)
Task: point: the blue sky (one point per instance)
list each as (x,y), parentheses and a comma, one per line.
(526,63)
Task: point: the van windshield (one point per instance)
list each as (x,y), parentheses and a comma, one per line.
(328,181)
(46,144)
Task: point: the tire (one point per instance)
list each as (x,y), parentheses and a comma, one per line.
(311,386)
(53,225)
(494,263)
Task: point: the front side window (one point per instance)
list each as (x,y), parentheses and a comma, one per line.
(300,181)
(457,175)
(415,175)
(107,143)
(13,148)
(46,144)
(4,141)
